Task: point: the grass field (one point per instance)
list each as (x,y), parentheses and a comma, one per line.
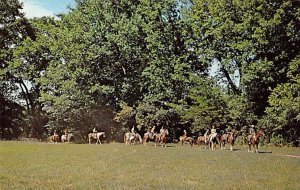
(29,165)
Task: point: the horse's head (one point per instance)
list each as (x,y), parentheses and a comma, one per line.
(103,134)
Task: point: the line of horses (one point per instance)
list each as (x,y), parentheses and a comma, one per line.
(209,141)
(70,137)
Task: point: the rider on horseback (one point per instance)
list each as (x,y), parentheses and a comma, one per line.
(152,131)
(55,134)
(213,133)
(66,133)
(132,130)
(95,132)
(251,132)
(184,134)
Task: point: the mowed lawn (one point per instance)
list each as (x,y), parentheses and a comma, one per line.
(29,165)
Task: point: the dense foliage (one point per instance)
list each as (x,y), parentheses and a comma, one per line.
(114,64)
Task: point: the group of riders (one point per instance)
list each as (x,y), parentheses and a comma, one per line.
(208,135)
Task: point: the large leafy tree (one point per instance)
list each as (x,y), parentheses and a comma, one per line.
(252,42)
(283,115)
(113,51)
(14,29)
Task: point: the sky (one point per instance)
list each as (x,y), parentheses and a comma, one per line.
(39,8)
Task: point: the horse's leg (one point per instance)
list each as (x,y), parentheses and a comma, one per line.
(256,148)
(231,146)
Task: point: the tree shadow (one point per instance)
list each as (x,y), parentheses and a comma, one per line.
(265,152)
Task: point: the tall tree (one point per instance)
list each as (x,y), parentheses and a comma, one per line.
(252,39)
(14,28)
(283,115)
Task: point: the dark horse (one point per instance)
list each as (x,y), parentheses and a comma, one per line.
(162,138)
(227,138)
(253,140)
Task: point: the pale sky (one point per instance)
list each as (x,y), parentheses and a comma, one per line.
(39,8)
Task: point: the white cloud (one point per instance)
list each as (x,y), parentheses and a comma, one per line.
(34,9)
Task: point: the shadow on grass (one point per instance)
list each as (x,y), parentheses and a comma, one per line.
(265,152)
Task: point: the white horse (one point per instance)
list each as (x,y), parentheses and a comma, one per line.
(69,137)
(96,136)
(213,138)
(130,138)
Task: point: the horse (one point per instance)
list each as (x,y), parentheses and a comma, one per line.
(202,140)
(55,138)
(254,141)
(183,139)
(162,138)
(130,138)
(227,138)
(213,138)
(96,136)
(69,137)
(149,136)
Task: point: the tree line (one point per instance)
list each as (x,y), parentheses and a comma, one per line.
(114,64)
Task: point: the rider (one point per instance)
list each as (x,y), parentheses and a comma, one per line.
(184,134)
(55,134)
(152,131)
(132,130)
(162,130)
(252,132)
(94,131)
(213,133)
(66,133)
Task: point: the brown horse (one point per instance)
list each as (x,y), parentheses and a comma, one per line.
(149,136)
(162,138)
(202,140)
(227,138)
(55,138)
(184,139)
(253,140)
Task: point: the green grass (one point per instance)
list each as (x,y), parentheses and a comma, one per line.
(27,165)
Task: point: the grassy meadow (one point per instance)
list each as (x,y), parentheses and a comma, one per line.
(31,165)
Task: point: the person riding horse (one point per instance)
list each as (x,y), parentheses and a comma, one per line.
(152,132)
(55,136)
(213,133)
(251,133)
(132,130)
(66,133)
(94,132)
(184,134)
